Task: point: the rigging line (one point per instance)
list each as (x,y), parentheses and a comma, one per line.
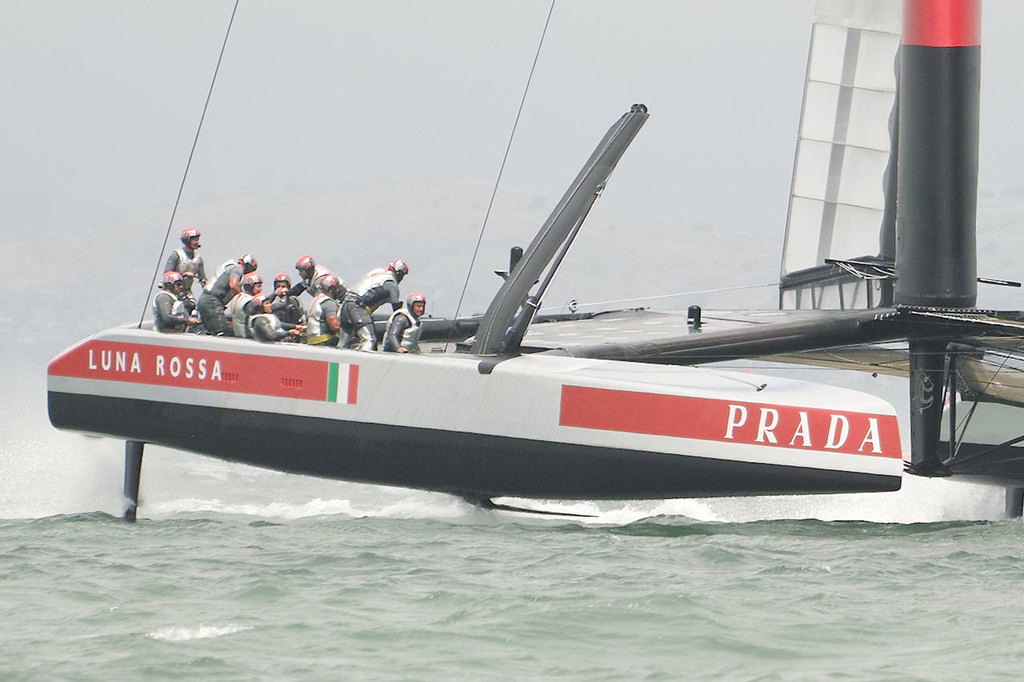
(501,169)
(188,164)
(1005,444)
(1000,367)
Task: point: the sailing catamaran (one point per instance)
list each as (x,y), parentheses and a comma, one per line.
(520,411)
(879,265)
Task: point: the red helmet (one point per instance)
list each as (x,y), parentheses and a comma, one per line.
(250,281)
(399,266)
(305,263)
(248,262)
(282,277)
(171,277)
(188,234)
(259,299)
(415,297)
(330,285)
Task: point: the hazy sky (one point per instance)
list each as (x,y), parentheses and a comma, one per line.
(102,98)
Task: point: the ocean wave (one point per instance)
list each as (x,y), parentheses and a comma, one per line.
(185,634)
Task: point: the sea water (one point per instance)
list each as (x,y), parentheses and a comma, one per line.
(235,573)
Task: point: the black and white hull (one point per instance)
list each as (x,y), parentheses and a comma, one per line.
(538,426)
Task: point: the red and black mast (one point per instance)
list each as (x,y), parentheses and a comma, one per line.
(940,84)
(937,192)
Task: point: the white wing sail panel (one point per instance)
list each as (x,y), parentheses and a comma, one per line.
(838,197)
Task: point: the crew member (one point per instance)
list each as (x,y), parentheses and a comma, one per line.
(237,309)
(311,276)
(265,326)
(168,312)
(322,323)
(373,290)
(286,306)
(221,290)
(403,333)
(188,301)
(186,258)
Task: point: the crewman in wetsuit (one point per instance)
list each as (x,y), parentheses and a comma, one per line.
(311,276)
(286,306)
(322,323)
(169,313)
(265,326)
(403,333)
(373,290)
(186,258)
(221,290)
(237,309)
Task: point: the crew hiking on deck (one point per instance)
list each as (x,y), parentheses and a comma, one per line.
(233,303)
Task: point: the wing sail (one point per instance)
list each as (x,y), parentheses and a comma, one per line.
(843,171)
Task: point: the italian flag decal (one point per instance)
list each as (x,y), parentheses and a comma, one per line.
(342,383)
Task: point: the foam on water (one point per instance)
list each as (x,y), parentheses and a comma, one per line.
(185,634)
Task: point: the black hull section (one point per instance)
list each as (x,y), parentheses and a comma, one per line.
(464,464)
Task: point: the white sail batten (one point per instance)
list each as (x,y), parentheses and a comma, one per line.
(837,197)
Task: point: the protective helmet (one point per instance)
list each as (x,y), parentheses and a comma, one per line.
(171,277)
(305,263)
(258,300)
(250,281)
(415,297)
(330,285)
(282,277)
(399,267)
(188,234)
(248,263)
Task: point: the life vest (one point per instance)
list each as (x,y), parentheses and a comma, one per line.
(236,311)
(313,283)
(317,331)
(410,335)
(176,308)
(218,272)
(192,264)
(274,320)
(375,288)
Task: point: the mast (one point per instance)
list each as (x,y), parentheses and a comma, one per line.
(940,85)
(936,215)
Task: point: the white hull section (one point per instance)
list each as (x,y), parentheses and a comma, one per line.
(534,426)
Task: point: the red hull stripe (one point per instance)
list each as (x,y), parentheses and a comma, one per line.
(781,426)
(353,384)
(208,370)
(942,23)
